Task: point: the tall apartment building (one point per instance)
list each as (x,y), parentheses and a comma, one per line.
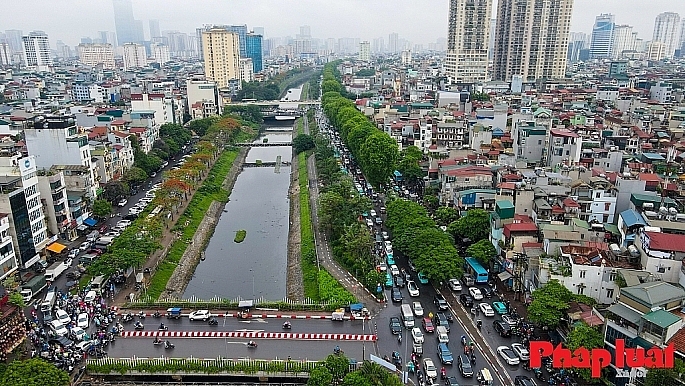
(365,51)
(254,51)
(154,29)
(160,53)
(95,54)
(5,54)
(531,39)
(578,44)
(129,30)
(624,40)
(602,36)
(53,193)
(134,56)
(666,30)
(393,43)
(221,50)
(37,53)
(468,38)
(246,70)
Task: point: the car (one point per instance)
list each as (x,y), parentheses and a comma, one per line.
(63,317)
(413,289)
(83,320)
(396,295)
(466,300)
(486,309)
(465,367)
(487,291)
(369,223)
(475,293)
(508,355)
(62,341)
(418,308)
(451,381)
(78,333)
(455,285)
(439,319)
(383,267)
(85,345)
(84,246)
(379,221)
(429,368)
(411,265)
(202,315)
(153,175)
(390,259)
(440,302)
(395,325)
(502,328)
(417,335)
(522,380)
(122,202)
(94,251)
(388,280)
(373,213)
(499,307)
(388,244)
(388,251)
(407,276)
(58,328)
(399,281)
(74,253)
(69,261)
(90,296)
(445,354)
(74,275)
(123,223)
(512,321)
(385,235)
(427,324)
(112,234)
(394,270)
(422,278)
(521,351)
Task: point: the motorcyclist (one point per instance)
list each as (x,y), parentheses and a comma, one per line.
(252,343)
(286,324)
(336,350)
(138,325)
(157,340)
(161,326)
(443,372)
(399,338)
(168,344)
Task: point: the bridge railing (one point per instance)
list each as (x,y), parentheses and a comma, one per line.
(219,303)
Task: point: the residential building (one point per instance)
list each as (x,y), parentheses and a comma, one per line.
(162,105)
(667,31)
(154,28)
(90,92)
(393,43)
(5,54)
(246,70)
(661,253)
(365,51)
(254,51)
(53,194)
(205,93)
(529,141)
(221,50)
(468,39)
(124,158)
(601,44)
(597,200)
(8,257)
(531,39)
(661,92)
(656,51)
(578,43)
(564,147)
(37,55)
(128,29)
(96,54)
(624,40)
(20,201)
(134,56)
(145,127)
(56,140)
(160,53)
(80,187)
(405,57)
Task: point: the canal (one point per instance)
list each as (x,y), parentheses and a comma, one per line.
(259,204)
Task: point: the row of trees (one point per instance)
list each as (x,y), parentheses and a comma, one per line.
(418,237)
(335,370)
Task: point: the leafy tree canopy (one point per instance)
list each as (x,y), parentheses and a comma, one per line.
(483,251)
(34,372)
(102,208)
(445,215)
(303,142)
(475,226)
(115,190)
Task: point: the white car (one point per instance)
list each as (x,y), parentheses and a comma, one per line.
(85,345)
(58,328)
(418,308)
(388,244)
(112,234)
(455,285)
(84,246)
(475,293)
(373,213)
(122,202)
(74,253)
(123,223)
(78,333)
(417,335)
(385,235)
(83,320)
(90,296)
(486,309)
(200,315)
(369,223)
(394,270)
(429,368)
(382,266)
(521,351)
(413,289)
(508,355)
(63,317)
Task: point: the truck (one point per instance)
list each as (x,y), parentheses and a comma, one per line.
(49,302)
(55,270)
(32,287)
(338,314)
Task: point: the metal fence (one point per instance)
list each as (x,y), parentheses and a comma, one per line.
(222,303)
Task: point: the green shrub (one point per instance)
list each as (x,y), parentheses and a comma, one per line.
(240,236)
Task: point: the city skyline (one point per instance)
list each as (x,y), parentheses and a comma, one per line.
(333,21)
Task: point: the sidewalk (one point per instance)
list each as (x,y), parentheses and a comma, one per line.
(323,249)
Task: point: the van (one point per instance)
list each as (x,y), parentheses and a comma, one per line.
(484,377)
(97,283)
(49,302)
(441,333)
(407,316)
(87,258)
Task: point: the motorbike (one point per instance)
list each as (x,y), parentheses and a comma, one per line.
(127,318)
(141,315)
(337,350)
(538,374)
(168,345)
(479,324)
(286,326)
(157,342)
(162,327)
(156,315)
(252,344)
(213,322)
(139,326)
(443,373)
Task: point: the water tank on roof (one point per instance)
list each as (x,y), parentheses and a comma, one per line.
(615,249)
(651,214)
(663,210)
(634,252)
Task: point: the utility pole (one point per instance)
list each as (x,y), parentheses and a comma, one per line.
(520,268)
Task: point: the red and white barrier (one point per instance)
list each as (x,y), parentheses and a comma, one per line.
(246,334)
(264,316)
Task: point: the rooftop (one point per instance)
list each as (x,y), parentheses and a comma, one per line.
(661,318)
(653,294)
(666,241)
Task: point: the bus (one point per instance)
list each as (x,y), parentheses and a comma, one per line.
(479,273)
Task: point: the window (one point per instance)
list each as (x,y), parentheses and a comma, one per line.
(581,289)
(610,293)
(607,206)
(582,274)
(598,194)
(612,276)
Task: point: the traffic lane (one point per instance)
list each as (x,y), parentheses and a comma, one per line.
(237,348)
(257,324)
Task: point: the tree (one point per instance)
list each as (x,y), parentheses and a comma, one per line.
(303,142)
(200,126)
(445,215)
(549,304)
(378,157)
(587,337)
(483,251)
(135,175)
(330,85)
(34,372)
(356,379)
(115,190)
(102,208)
(475,226)
(337,365)
(16,299)
(661,377)
(250,113)
(409,164)
(319,376)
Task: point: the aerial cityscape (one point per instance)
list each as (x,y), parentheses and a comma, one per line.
(250,193)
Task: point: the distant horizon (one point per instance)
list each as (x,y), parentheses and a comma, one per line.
(71,20)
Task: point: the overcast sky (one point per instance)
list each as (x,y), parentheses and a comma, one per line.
(421,22)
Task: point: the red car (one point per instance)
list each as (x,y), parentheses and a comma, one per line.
(103,228)
(428,325)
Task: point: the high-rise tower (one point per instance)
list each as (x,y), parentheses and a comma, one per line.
(601,45)
(129,30)
(468,37)
(221,50)
(37,51)
(666,30)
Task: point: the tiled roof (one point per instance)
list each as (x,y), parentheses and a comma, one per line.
(666,241)
(678,340)
(653,294)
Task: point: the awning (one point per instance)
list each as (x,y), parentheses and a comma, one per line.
(504,276)
(56,247)
(90,221)
(625,313)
